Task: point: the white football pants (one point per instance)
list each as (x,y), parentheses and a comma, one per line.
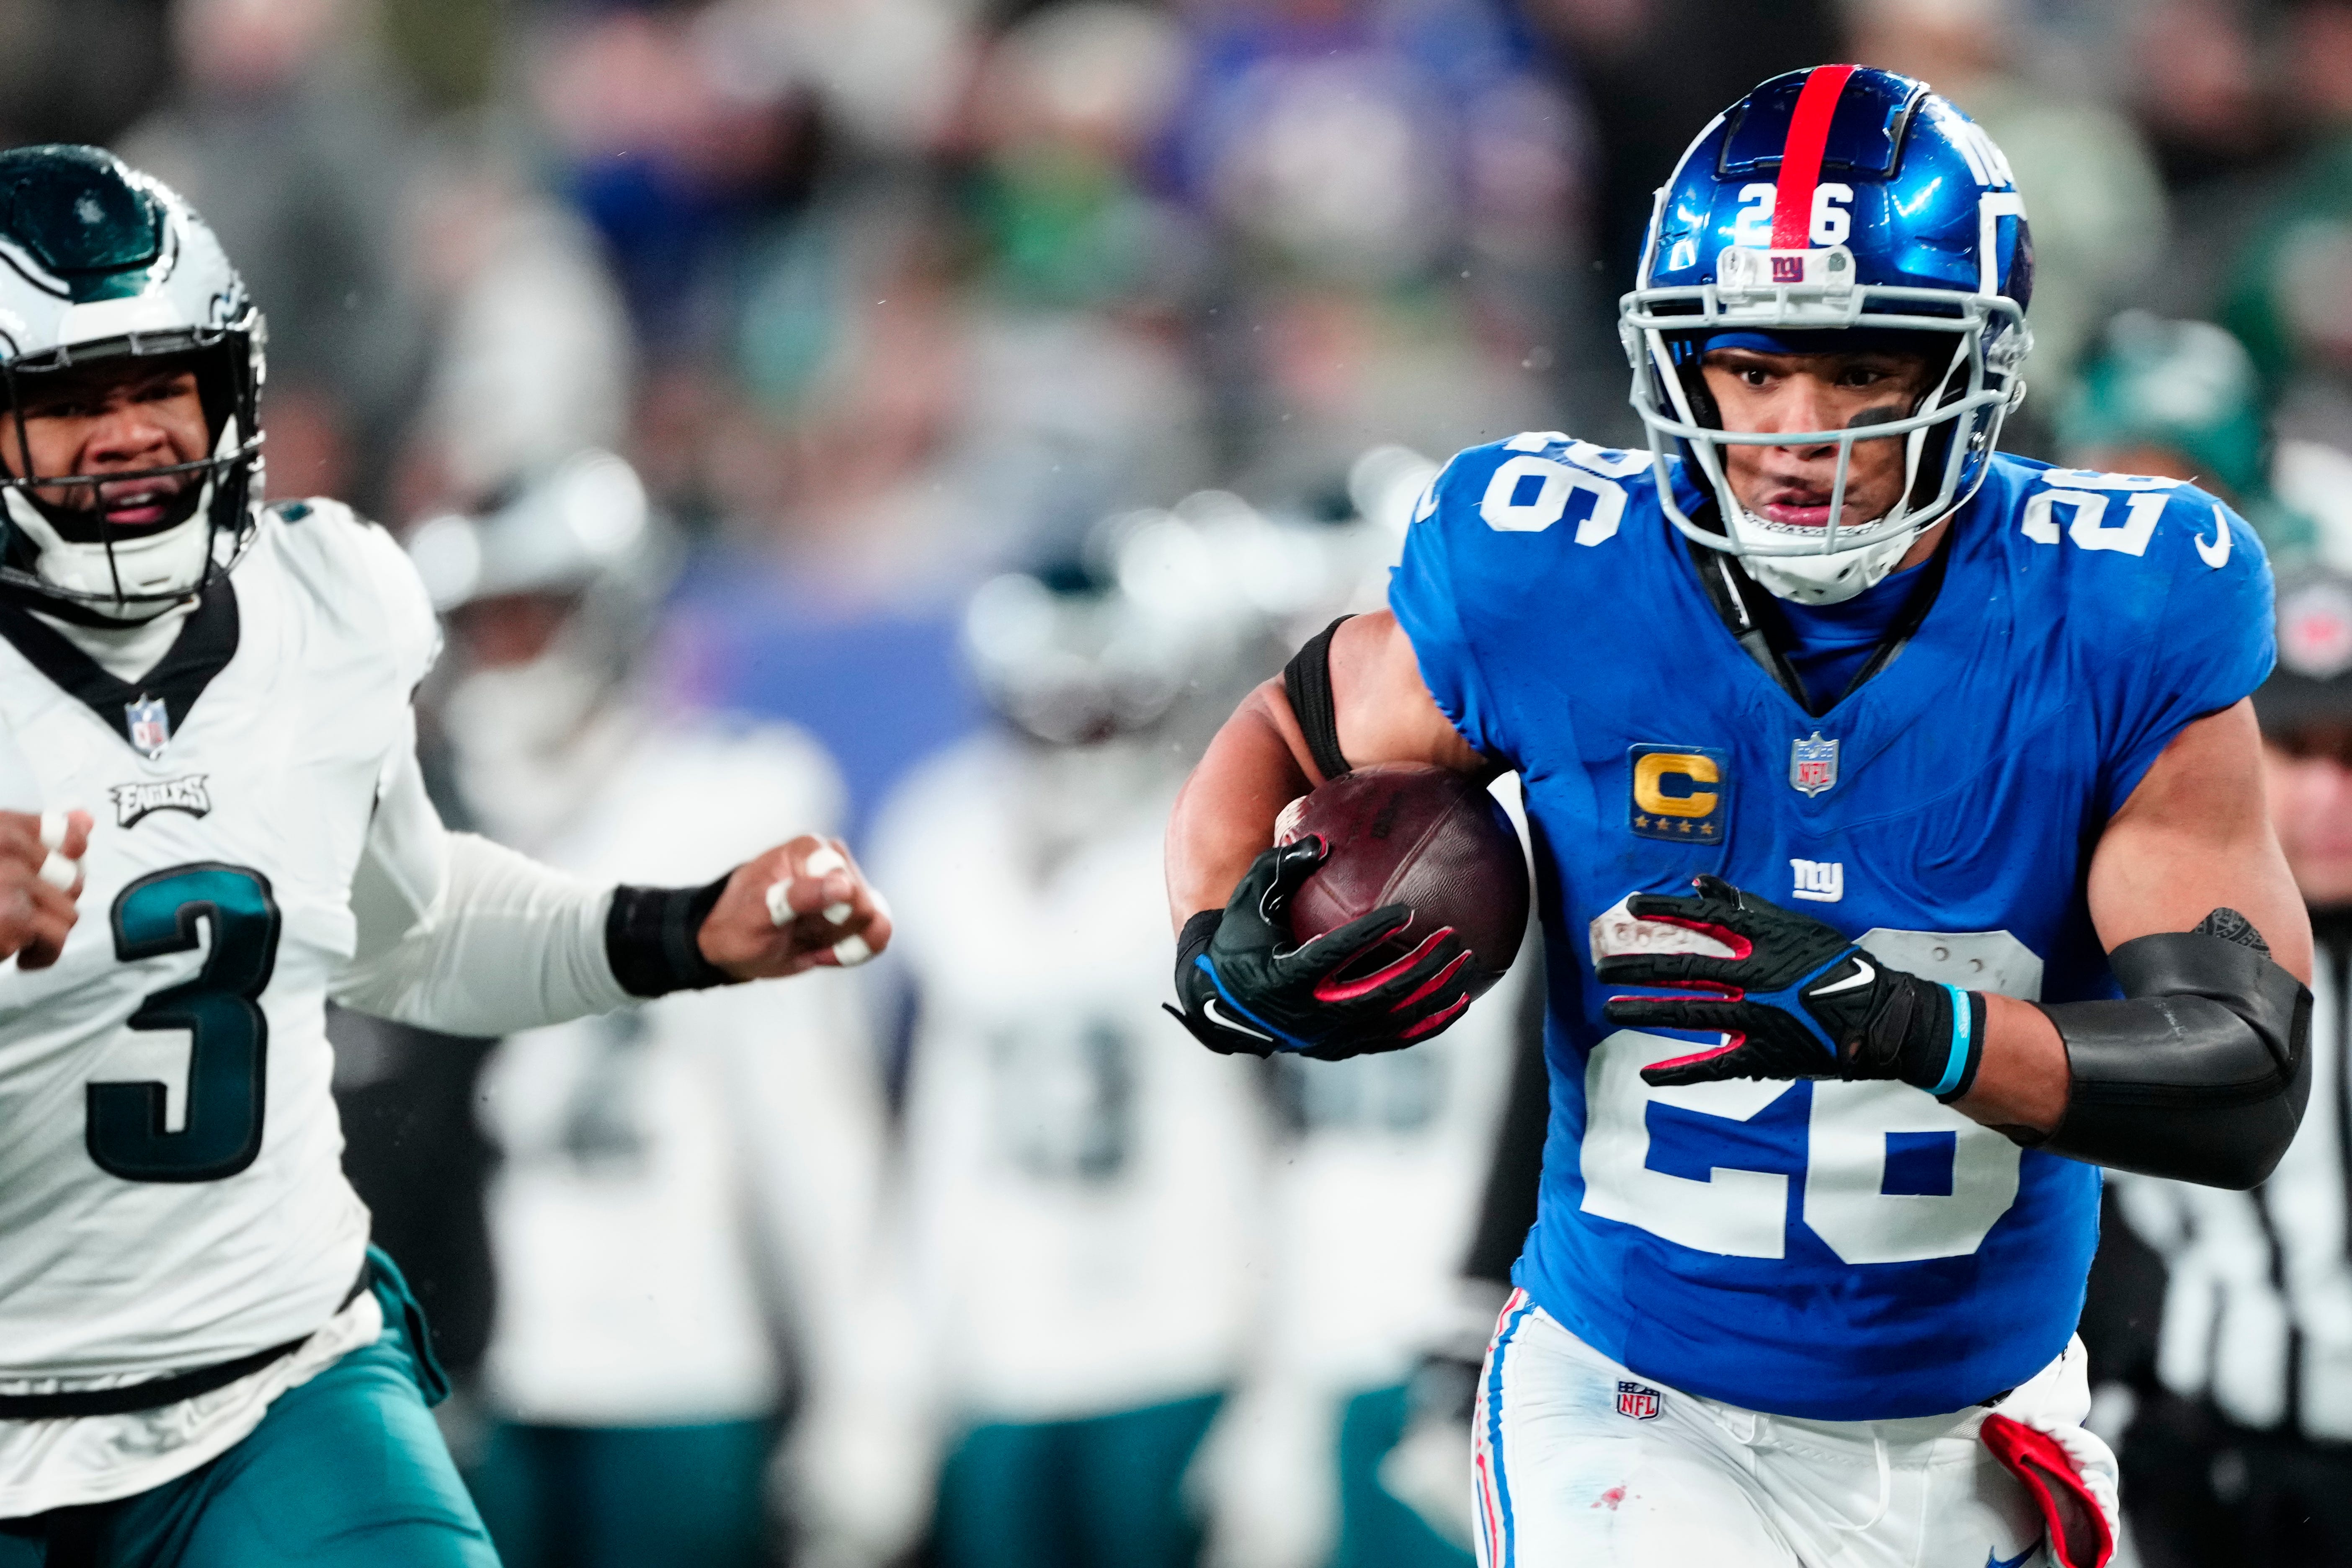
(1567,1479)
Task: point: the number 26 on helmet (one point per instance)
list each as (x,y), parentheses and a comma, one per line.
(1837,209)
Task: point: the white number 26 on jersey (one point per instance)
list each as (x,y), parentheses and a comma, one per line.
(1852,1130)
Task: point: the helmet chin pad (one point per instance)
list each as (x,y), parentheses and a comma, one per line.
(126,574)
(131,578)
(1826,579)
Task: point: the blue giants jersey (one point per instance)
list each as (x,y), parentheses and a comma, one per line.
(1842,1251)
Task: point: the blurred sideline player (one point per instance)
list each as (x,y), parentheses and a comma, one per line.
(1937,734)
(1084,1200)
(2230,1313)
(201,1360)
(1374,1182)
(2182,399)
(688,1190)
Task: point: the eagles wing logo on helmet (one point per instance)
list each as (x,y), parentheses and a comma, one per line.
(1840,198)
(99,262)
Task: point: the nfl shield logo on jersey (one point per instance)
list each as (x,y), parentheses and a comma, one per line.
(1812,765)
(1637,1401)
(151,725)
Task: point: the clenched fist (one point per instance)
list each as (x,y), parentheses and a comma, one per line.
(802,905)
(40,878)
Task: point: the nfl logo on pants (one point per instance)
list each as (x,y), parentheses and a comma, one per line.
(1637,1401)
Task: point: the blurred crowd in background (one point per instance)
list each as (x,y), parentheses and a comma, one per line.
(922,419)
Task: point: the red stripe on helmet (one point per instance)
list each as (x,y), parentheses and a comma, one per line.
(1800,156)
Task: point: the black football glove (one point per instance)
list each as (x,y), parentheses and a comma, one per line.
(1245,989)
(1796,1000)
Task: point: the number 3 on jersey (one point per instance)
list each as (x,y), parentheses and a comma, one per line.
(228,1037)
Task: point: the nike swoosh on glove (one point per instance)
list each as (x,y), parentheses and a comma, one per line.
(1794,999)
(1245,989)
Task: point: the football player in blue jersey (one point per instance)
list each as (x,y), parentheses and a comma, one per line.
(1902,860)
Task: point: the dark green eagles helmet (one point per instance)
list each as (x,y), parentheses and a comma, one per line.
(99,262)
(2188,387)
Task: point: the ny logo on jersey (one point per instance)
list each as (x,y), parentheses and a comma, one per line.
(150,724)
(1812,765)
(1637,1401)
(187,792)
(1819,881)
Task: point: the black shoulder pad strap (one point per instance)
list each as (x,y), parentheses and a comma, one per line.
(1307,680)
(2202,1075)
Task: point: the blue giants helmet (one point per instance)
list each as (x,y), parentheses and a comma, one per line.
(1838,200)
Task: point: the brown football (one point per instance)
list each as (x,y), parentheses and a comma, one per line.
(1405,833)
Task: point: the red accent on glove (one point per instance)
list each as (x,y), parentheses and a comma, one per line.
(2078,1527)
(1739,945)
(1331,988)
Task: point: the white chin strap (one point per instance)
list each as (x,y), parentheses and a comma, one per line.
(171,563)
(1819,579)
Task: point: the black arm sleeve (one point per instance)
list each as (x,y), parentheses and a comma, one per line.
(2203,1073)
(1306,681)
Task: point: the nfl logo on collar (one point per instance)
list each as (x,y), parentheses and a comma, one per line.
(1812,765)
(1637,1401)
(149,725)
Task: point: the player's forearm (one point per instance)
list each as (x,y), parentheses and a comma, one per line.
(508,944)
(2022,1078)
(1225,815)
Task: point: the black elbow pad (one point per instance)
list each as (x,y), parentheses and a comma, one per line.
(2202,1075)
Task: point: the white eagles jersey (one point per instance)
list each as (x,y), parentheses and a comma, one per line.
(1085,1180)
(1375,1199)
(172,1193)
(680,1177)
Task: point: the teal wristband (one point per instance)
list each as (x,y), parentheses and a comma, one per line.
(1967,1047)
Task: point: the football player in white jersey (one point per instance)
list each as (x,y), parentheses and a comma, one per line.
(201,1361)
(1085,1199)
(688,1189)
